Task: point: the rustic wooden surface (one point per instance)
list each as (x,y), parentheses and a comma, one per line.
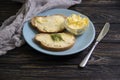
(25,63)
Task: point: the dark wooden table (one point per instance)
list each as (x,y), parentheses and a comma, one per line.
(25,63)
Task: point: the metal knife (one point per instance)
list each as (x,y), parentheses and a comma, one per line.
(100,37)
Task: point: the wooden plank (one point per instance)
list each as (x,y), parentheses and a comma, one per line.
(7,9)
(100,15)
(96,14)
(100,3)
(112,36)
(62,72)
(104,54)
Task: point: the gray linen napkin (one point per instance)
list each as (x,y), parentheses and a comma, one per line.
(11,29)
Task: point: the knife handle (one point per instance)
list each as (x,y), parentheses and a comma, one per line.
(85,60)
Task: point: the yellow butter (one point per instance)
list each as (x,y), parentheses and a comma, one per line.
(77,22)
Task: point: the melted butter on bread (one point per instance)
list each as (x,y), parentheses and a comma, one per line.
(52,23)
(47,42)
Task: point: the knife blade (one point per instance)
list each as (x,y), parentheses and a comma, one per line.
(103,32)
(99,38)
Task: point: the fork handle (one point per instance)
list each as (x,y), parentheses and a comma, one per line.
(85,60)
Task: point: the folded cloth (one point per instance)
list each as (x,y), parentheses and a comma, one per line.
(11,29)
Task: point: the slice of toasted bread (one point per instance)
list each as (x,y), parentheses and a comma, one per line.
(55,41)
(49,24)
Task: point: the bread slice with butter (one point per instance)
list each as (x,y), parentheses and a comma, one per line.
(55,41)
(49,24)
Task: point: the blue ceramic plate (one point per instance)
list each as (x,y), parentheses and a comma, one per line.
(82,42)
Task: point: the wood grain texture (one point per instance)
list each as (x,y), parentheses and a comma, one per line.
(25,63)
